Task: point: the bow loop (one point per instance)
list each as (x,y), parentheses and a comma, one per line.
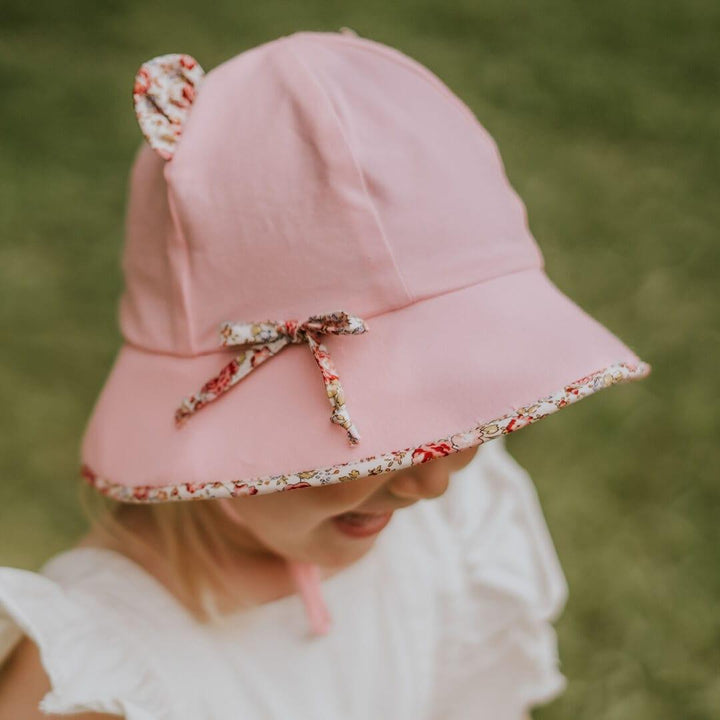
(268,338)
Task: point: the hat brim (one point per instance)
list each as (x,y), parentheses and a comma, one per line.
(434,377)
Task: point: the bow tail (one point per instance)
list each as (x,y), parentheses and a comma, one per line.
(335,392)
(240,366)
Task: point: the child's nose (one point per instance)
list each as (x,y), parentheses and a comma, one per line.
(421,483)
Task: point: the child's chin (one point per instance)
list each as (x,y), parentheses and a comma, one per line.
(341,551)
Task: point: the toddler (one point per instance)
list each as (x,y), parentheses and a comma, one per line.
(330,288)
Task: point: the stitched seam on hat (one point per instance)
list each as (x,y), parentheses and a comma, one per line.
(357,167)
(406,61)
(415,66)
(179,264)
(397,308)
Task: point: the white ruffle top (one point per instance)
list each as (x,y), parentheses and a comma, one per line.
(448,617)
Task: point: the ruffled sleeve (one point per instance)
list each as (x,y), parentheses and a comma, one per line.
(88,663)
(498,649)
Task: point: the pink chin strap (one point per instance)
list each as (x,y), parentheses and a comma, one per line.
(307,581)
(306,577)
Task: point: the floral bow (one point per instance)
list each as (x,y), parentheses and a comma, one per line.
(270,337)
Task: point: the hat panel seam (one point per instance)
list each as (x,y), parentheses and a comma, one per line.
(409,63)
(178,259)
(397,308)
(361,175)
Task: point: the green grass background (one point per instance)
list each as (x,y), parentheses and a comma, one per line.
(607,117)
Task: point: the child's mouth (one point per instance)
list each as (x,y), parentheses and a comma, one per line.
(358,525)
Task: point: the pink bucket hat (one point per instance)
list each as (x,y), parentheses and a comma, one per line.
(327,276)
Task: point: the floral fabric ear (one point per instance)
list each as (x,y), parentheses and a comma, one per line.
(163,95)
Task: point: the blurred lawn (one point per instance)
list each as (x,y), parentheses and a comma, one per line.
(607,118)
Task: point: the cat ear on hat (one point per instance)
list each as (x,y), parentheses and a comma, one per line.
(163,94)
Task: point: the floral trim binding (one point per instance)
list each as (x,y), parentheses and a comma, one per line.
(271,337)
(376,464)
(163,93)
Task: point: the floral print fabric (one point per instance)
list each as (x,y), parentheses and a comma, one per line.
(163,93)
(269,338)
(376,464)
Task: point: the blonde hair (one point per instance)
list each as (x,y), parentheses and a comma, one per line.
(193,545)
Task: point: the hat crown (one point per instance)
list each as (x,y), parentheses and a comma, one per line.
(316,171)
